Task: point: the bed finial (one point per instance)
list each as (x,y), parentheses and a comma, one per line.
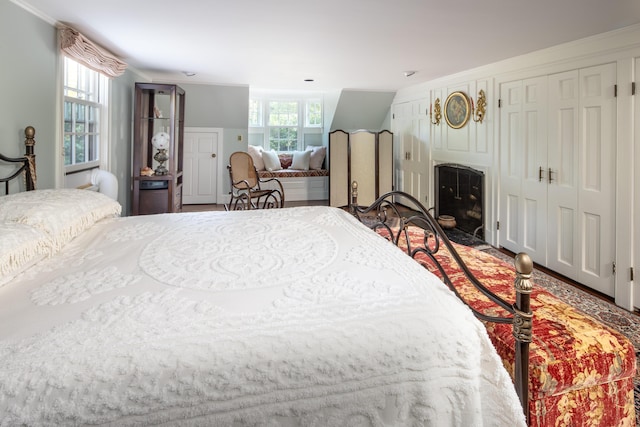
(30,177)
(354,195)
(523,325)
(29,142)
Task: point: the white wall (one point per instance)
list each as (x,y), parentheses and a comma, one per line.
(28,75)
(478,145)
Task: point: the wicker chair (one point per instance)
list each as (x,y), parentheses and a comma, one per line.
(246,189)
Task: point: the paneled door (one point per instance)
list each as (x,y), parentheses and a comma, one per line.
(581,175)
(523,167)
(636,196)
(557,172)
(411,128)
(200,166)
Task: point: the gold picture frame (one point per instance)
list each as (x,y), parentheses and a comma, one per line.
(457,109)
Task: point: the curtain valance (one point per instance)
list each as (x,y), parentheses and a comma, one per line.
(83,50)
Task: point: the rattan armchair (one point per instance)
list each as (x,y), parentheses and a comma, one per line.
(246,186)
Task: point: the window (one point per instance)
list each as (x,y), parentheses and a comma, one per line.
(284,123)
(84,105)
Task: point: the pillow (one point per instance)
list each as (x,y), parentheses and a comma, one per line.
(317,156)
(256,155)
(301,160)
(61,214)
(271,161)
(21,246)
(285,160)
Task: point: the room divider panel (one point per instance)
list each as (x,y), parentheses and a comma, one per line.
(362,156)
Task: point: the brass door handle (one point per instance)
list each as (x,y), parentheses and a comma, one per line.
(550,177)
(540,174)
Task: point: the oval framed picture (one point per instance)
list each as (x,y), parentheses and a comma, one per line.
(457,109)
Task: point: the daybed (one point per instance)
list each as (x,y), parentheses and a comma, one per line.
(296,316)
(307,179)
(581,371)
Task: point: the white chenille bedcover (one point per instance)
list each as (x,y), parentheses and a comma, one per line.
(288,317)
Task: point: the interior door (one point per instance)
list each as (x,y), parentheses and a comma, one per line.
(411,127)
(523,165)
(200,167)
(582,147)
(636,196)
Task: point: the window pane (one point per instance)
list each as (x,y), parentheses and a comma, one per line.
(82,111)
(92,147)
(283,113)
(67,149)
(255,113)
(80,149)
(283,139)
(314,114)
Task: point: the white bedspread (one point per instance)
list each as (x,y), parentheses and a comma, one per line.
(291,317)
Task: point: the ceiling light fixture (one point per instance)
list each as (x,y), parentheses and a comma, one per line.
(409,73)
(189,73)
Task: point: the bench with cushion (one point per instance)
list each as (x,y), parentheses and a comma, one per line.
(580,371)
(302,173)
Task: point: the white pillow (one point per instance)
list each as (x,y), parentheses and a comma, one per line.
(317,156)
(256,154)
(271,161)
(61,214)
(21,246)
(301,160)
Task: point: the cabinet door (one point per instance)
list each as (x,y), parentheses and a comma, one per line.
(411,129)
(582,147)
(523,155)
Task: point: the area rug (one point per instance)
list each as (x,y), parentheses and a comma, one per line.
(604,311)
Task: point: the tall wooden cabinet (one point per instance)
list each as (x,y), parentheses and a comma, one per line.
(362,156)
(157,149)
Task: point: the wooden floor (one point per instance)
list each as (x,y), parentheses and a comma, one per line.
(220,207)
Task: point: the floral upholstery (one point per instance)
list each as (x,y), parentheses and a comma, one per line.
(292,173)
(286,160)
(581,371)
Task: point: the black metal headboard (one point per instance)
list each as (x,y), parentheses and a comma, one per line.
(27,163)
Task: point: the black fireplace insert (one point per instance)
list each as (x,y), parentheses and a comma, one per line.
(459,192)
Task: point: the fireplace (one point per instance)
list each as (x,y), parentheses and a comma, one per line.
(459,192)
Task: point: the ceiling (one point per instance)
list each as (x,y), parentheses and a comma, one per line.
(340,44)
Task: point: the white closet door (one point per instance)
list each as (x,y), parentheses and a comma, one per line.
(582,146)
(597,190)
(411,129)
(523,165)
(636,195)
(564,113)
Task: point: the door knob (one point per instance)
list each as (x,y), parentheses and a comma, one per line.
(213,155)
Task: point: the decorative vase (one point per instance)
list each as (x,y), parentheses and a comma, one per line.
(447,221)
(161,157)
